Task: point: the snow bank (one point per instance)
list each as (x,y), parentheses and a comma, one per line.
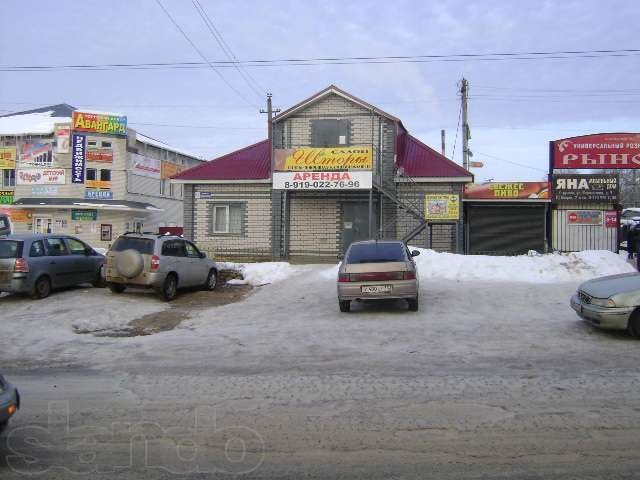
(536,268)
(257,274)
(35,123)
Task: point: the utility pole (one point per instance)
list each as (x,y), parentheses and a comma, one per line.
(442,140)
(464,92)
(270,111)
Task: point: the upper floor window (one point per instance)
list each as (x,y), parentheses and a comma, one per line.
(105,175)
(8,178)
(105,144)
(330,133)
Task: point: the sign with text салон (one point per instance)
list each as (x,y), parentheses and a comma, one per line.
(85,215)
(599,151)
(78,157)
(441,207)
(105,123)
(590,188)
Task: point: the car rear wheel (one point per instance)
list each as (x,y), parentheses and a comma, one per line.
(634,325)
(345,305)
(169,288)
(42,288)
(413,304)
(212,280)
(116,287)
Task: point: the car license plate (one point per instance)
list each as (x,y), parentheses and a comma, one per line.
(376,289)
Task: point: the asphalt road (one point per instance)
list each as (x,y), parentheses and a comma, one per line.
(488,380)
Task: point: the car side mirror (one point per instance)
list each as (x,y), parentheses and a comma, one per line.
(415,253)
(203,255)
(89,251)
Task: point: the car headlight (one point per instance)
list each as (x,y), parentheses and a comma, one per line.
(603,302)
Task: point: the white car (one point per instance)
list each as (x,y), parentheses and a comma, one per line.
(628,214)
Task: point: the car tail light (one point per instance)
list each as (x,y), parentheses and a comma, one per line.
(376,276)
(155,263)
(344,277)
(21,266)
(409,275)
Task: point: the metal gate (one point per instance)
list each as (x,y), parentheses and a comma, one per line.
(569,236)
(506,229)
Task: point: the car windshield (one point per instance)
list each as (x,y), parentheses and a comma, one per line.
(142,245)
(10,249)
(376,253)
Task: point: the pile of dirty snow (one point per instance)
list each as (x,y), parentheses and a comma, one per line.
(534,268)
(256,274)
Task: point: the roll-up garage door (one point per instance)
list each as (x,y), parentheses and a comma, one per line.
(511,229)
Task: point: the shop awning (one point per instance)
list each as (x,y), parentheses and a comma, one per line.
(81,203)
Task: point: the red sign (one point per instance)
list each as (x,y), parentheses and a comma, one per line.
(611,219)
(603,150)
(507,191)
(584,217)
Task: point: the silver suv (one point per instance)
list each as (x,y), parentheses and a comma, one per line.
(162,262)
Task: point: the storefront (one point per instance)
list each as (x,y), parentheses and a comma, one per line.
(506,218)
(342,170)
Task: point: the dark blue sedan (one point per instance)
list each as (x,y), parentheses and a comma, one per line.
(9,402)
(36,264)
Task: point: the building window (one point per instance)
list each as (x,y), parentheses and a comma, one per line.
(105,144)
(105,175)
(162,187)
(171,189)
(330,133)
(91,174)
(227,218)
(8,178)
(92,143)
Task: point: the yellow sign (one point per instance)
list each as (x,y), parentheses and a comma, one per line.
(101,184)
(7,158)
(324,159)
(442,207)
(168,169)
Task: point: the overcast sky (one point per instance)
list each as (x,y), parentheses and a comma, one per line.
(515,108)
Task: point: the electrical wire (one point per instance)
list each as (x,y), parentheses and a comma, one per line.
(215,33)
(210,64)
(511,162)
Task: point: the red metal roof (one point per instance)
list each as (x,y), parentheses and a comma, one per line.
(249,163)
(420,160)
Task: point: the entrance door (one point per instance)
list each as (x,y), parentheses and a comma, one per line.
(355,223)
(42,225)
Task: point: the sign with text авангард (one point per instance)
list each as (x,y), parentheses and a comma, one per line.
(585,188)
(94,122)
(330,168)
(78,157)
(599,151)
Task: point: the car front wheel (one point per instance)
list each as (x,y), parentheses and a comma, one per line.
(634,325)
(345,305)
(212,280)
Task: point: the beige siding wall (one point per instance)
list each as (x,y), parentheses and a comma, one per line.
(314,223)
(254,242)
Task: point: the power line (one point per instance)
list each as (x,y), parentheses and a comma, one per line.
(216,127)
(215,33)
(210,64)
(512,162)
(330,60)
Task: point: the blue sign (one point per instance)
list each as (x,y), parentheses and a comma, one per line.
(78,157)
(98,194)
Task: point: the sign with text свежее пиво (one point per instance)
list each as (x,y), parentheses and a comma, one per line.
(599,151)
(588,188)
(507,191)
(442,206)
(104,123)
(78,157)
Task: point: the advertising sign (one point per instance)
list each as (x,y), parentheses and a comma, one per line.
(40,176)
(18,215)
(63,132)
(44,191)
(202,195)
(100,155)
(88,215)
(169,169)
(98,195)
(6,197)
(36,154)
(442,207)
(99,123)
(584,217)
(603,150)
(594,188)
(106,232)
(145,166)
(323,159)
(7,158)
(611,219)
(356,180)
(507,191)
(99,184)
(78,157)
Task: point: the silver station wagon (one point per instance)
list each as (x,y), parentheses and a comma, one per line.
(378,270)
